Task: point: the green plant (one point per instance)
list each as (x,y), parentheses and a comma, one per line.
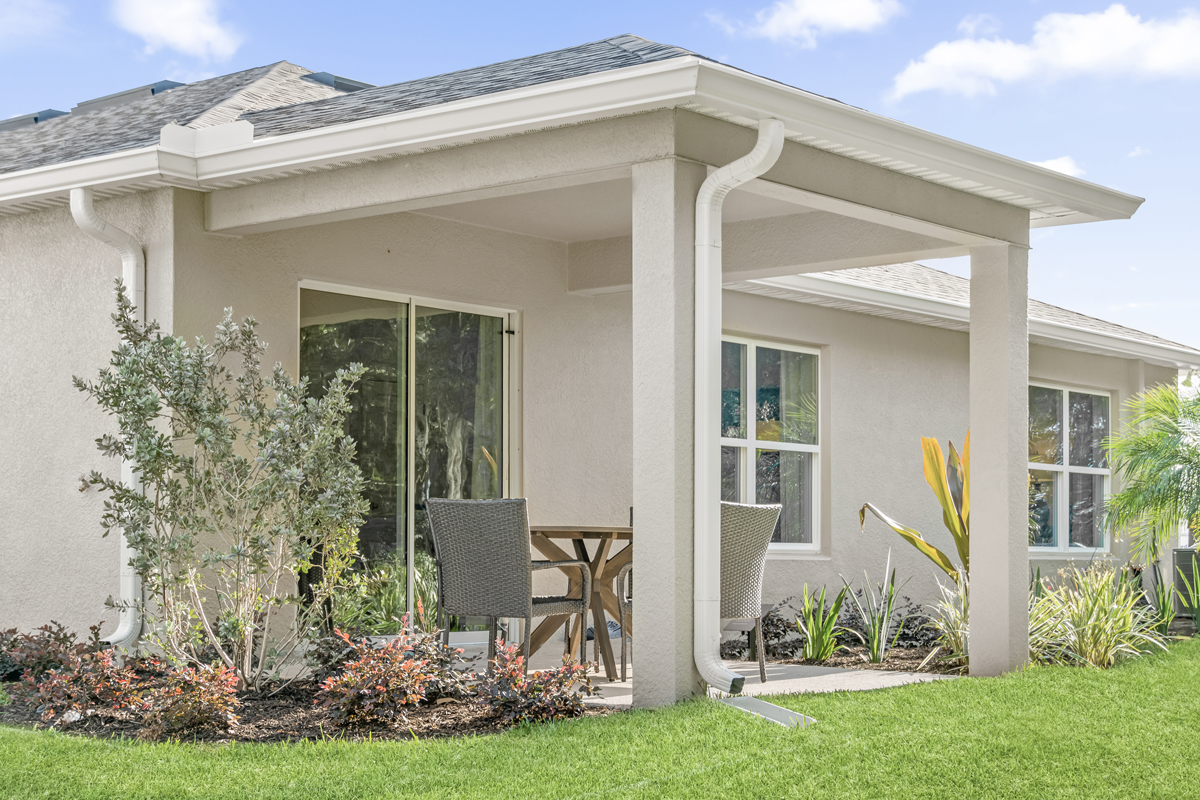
(1157,452)
(191,697)
(537,697)
(50,647)
(1190,596)
(876,610)
(1164,604)
(950,479)
(375,684)
(373,600)
(949,618)
(818,624)
(247,484)
(1092,617)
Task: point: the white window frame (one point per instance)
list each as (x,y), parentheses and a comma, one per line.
(748,447)
(1062,472)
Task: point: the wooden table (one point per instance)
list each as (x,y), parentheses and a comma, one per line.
(604,571)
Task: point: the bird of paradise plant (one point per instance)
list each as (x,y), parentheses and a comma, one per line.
(950,479)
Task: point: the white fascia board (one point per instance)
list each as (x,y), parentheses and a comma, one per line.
(935,309)
(100,172)
(741,93)
(558,103)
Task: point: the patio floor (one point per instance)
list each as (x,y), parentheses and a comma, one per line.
(781,678)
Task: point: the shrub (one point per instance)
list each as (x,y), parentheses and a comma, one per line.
(190,697)
(93,681)
(541,696)
(1190,595)
(442,665)
(818,624)
(9,671)
(50,647)
(375,684)
(949,621)
(1091,618)
(876,608)
(249,486)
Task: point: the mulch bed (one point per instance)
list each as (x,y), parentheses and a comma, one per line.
(289,716)
(899,659)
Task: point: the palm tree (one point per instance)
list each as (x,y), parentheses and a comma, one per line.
(1157,453)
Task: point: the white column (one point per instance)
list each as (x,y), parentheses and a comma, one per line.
(999,514)
(664,196)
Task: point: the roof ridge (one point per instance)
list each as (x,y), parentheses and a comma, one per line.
(220,113)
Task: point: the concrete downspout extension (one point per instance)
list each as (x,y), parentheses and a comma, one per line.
(133,274)
(707,523)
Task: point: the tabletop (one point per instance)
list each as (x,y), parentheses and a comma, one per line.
(583,531)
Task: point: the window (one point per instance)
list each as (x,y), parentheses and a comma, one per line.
(1068,469)
(770,449)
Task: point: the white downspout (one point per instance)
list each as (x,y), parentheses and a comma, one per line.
(133,274)
(707,639)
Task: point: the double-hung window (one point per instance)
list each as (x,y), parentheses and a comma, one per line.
(1068,469)
(770,444)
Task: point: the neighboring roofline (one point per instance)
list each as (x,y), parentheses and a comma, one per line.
(687,81)
(923,309)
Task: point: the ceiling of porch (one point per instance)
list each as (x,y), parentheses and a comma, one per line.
(600,210)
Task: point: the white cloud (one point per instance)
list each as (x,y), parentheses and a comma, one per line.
(1066,165)
(803,21)
(189,27)
(22,20)
(979,25)
(1111,42)
(1138,151)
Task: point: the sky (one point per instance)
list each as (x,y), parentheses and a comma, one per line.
(1104,91)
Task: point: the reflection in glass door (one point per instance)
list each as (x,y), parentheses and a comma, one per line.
(442,421)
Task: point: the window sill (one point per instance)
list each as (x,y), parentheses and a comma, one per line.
(1068,555)
(796,555)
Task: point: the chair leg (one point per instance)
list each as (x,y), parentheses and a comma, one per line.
(525,642)
(491,642)
(762,651)
(583,640)
(624,674)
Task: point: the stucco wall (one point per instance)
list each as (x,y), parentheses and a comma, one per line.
(56,296)
(576,351)
(886,384)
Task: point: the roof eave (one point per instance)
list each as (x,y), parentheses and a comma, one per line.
(1069,336)
(668,83)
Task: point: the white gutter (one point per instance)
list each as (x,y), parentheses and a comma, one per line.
(707,490)
(133,274)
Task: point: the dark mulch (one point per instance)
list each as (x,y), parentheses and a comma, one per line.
(289,716)
(899,659)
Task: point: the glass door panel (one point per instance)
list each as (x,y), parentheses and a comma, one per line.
(337,330)
(458,414)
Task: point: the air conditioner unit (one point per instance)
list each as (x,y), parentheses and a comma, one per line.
(1183,566)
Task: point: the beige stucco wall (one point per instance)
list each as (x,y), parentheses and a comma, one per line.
(56,296)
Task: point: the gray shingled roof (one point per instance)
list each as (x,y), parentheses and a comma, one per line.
(571,62)
(137,124)
(922,281)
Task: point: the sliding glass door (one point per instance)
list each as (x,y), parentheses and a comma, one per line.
(429,416)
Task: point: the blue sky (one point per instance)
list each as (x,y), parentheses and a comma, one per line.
(1108,91)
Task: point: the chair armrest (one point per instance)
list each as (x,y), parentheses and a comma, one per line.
(585,569)
(622,576)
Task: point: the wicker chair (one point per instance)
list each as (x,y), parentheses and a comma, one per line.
(745,533)
(625,606)
(481,548)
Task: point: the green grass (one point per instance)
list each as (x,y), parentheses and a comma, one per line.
(1047,732)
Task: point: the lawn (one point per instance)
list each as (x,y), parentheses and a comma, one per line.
(1048,732)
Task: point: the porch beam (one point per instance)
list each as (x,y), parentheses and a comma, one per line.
(663,246)
(999,500)
(531,162)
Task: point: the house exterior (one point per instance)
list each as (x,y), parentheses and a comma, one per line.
(636,345)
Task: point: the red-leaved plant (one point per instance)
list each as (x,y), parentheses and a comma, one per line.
(93,681)
(537,697)
(375,684)
(191,697)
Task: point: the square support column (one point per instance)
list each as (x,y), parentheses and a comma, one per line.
(999,514)
(664,200)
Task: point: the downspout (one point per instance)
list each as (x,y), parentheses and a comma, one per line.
(133,274)
(707,523)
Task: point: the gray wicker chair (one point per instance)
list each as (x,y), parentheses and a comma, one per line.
(481,548)
(625,606)
(745,533)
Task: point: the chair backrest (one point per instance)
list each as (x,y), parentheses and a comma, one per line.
(482,548)
(745,533)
